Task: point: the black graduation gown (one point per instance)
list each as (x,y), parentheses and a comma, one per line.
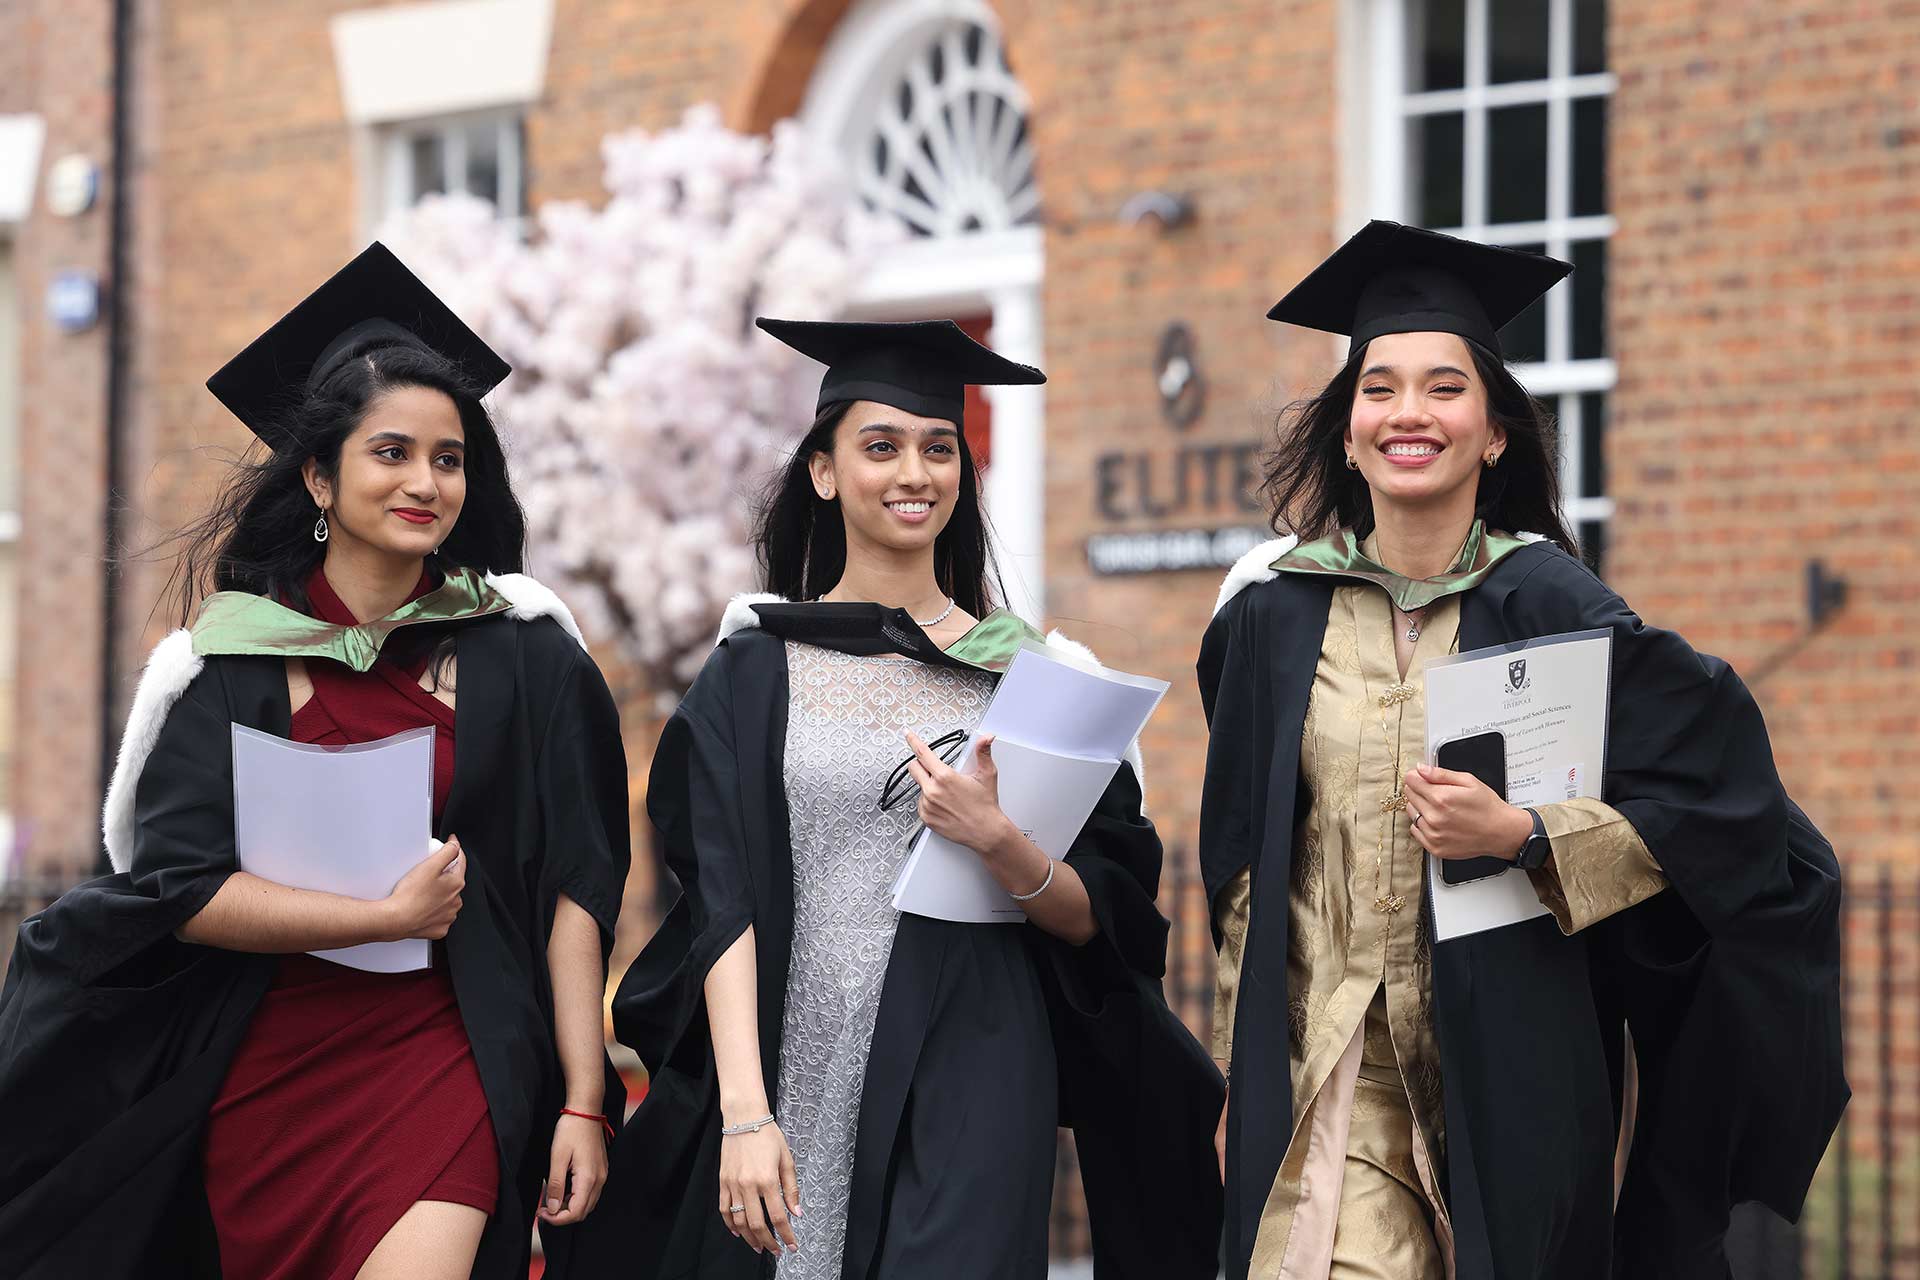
(958,1030)
(115,1037)
(1729,982)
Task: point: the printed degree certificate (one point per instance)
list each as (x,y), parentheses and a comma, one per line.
(1549,698)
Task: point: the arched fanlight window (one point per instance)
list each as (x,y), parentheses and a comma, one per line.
(947,151)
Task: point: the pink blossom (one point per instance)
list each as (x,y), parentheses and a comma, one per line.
(645,412)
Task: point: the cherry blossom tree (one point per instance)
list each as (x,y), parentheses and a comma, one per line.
(645,412)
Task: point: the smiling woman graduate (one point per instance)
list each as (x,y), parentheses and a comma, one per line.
(836,1085)
(1410,1110)
(184,1091)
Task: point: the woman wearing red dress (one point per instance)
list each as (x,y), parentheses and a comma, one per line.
(266,1113)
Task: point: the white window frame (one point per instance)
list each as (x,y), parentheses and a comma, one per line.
(404,69)
(396,160)
(999,272)
(1376,70)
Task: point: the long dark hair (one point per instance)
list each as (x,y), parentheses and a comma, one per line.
(258,536)
(801,538)
(1310,490)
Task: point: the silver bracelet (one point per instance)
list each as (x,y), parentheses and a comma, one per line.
(1029,897)
(751,1126)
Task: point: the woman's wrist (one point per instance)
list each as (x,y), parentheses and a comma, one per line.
(741,1108)
(1519,829)
(381,922)
(1015,860)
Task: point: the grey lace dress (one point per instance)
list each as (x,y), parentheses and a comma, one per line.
(846,720)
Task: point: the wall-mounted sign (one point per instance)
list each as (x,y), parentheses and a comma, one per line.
(1159,483)
(73,301)
(72,184)
(1170,550)
(1212,481)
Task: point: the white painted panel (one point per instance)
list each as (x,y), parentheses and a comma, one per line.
(20,141)
(9,399)
(414,60)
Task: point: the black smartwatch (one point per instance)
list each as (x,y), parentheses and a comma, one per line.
(1533,854)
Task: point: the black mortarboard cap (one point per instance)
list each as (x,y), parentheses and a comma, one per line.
(1391,278)
(922,366)
(372,302)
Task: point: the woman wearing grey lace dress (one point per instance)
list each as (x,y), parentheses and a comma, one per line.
(838,1089)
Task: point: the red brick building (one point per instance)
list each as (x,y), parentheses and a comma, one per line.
(1119,190)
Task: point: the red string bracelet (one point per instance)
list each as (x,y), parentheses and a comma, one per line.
(591,1115)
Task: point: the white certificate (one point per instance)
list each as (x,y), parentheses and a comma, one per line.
(350,820)
(1060,729)
(1549,698)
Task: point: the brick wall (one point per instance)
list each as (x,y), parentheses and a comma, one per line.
(1765,169)
(58,65)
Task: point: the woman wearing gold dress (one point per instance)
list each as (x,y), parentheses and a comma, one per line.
(1409,1111)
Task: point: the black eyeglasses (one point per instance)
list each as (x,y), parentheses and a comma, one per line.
(900,786)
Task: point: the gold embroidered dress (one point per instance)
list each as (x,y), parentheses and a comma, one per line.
(1357,1192)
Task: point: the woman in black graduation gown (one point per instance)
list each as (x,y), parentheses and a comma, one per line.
(184,1092)
(838,1089)
(1409,1109)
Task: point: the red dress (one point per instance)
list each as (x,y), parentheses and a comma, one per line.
(353,1094)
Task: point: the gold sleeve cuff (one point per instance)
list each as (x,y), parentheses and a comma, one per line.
(1599,865)
(1230,914)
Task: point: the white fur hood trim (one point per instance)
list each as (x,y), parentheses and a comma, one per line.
(171,667)
(174,665)
(740,617)
(532,599)
(1255,566)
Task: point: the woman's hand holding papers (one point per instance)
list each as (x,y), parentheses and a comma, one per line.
(1455,815)
(425,902)
(250,913)
(965,808)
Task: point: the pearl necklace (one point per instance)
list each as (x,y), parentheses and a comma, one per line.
(934,621)
(938,618)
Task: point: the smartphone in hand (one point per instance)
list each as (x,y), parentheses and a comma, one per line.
(1484,755)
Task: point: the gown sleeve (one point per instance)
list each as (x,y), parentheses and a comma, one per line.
(1729,984)
(1117,855)
(694,801)
(1229,700)
(114,1035)
(183,848)
(1138,1090)
(582,779)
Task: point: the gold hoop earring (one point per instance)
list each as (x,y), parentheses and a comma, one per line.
(1353,463)
(1493,460)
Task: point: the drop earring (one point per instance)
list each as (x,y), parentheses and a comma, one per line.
(320,530)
